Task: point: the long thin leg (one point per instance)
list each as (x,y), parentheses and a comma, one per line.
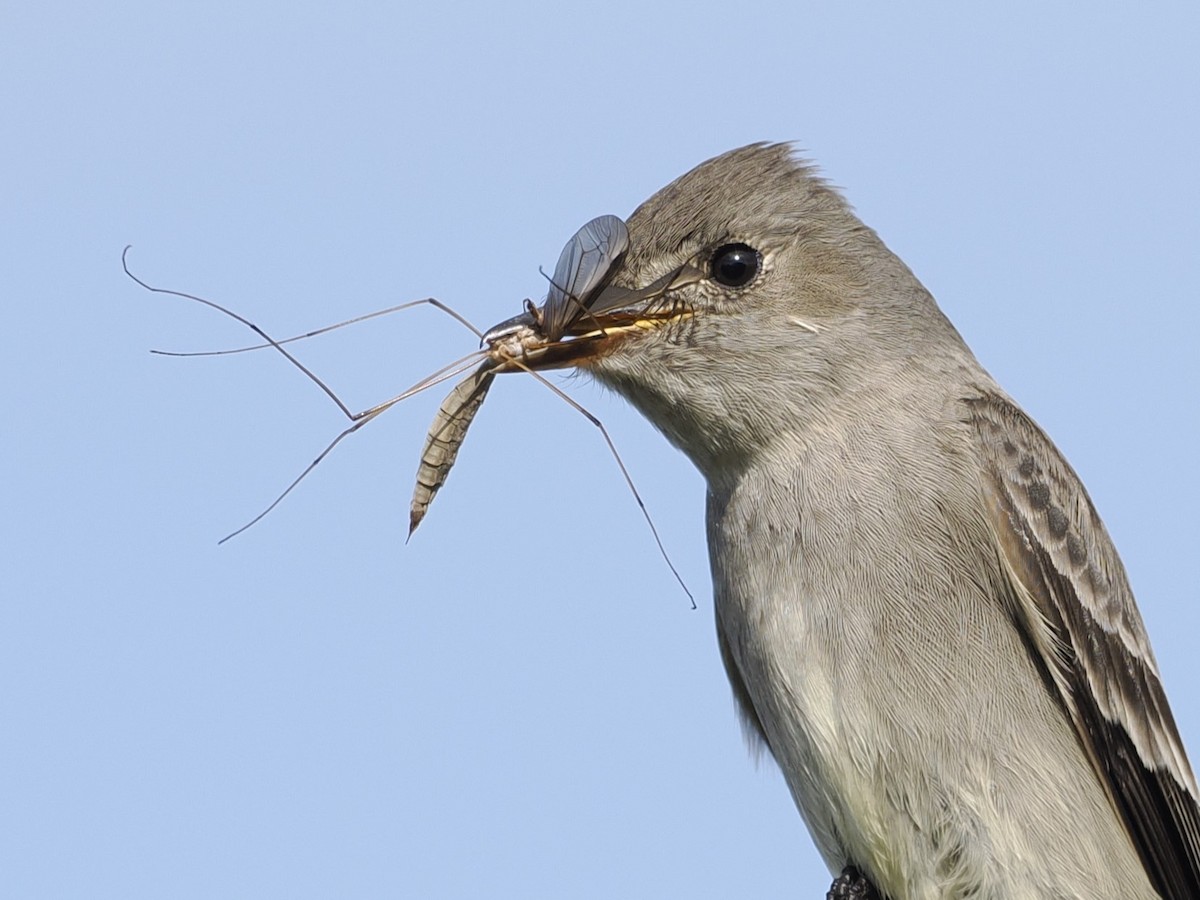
(278,345)
(621,465)
(361,419)
(358,419)
(428,301)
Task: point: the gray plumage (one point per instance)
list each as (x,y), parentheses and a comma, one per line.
(920,612)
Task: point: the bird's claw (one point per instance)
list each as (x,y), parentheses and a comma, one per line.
(852,885)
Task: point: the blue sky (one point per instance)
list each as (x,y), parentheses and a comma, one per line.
(519,702)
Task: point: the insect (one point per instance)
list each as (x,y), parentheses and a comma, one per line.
(584,267)
(581,306)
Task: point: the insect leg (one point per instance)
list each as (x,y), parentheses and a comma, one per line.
(428,301)
(620,464)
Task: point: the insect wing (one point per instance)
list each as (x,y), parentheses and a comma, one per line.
(446,434)
(584,265)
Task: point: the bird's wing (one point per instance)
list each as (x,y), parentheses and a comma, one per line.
(1072,599)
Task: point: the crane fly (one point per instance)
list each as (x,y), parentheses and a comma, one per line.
(584,267)
(582,309)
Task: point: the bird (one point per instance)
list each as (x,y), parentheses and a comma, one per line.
(922,617)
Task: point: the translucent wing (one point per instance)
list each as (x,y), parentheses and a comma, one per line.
(446,434)
(584,266)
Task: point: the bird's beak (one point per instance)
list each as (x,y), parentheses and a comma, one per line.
(602,323)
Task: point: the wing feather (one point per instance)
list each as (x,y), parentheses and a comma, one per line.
(1073,602)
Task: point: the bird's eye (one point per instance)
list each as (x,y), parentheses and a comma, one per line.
(735,265)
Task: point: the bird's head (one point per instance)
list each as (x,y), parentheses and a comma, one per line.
(743,298)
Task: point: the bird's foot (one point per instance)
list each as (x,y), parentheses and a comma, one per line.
(852,885)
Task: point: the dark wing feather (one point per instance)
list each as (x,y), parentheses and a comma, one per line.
(1073,601)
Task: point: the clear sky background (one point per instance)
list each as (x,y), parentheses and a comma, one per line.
(518,703)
